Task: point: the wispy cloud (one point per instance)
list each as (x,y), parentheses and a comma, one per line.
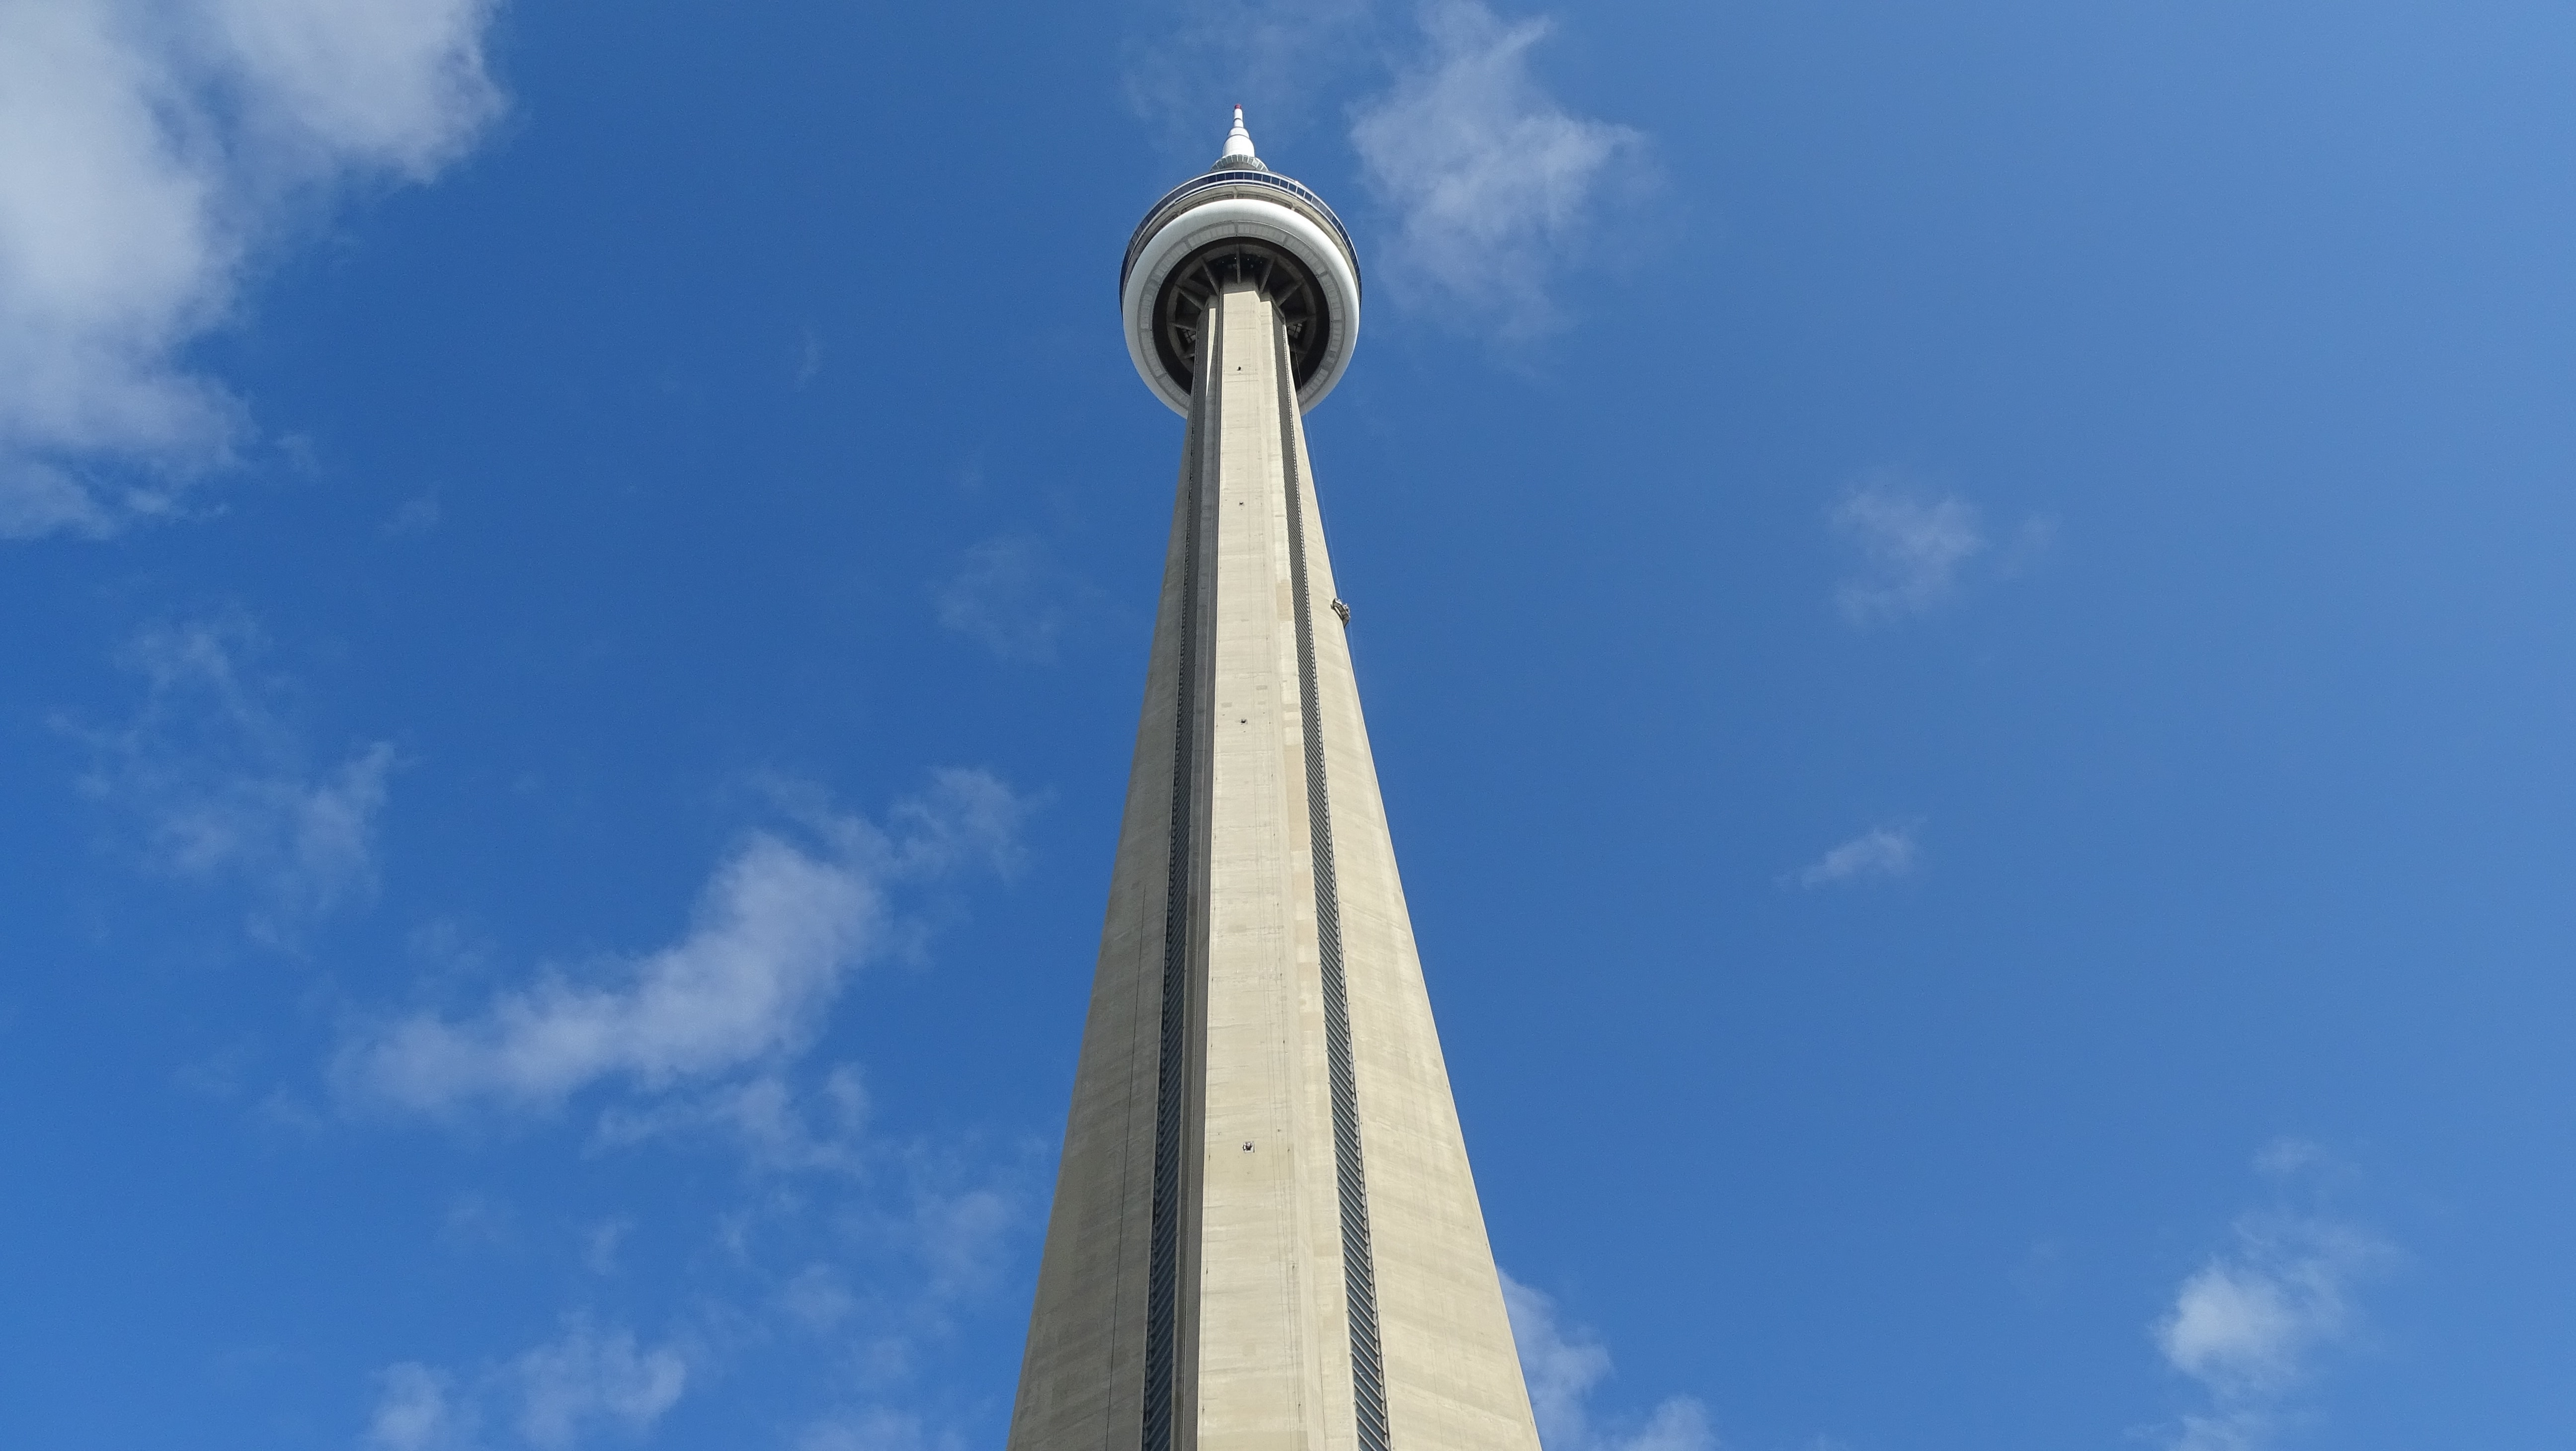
(877,1429)
(859,1263)
(854,1250)
(600,1246)
(1494,184)
(1912,544)
(777,929)
(1011,596)
(761,1116)
(149,155)
(1878,853)
(959,1232)
(588,1376)
(419,514)
(417,1410)
(1188,60)
(818,1297)
(476,1221)
(1563,1364)
(550,1396)
(2252,1325)
(223,789)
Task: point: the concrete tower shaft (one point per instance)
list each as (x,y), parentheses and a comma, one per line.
(1265,1234)
(1265,1231)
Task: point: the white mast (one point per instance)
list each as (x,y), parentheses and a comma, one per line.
(1238,144)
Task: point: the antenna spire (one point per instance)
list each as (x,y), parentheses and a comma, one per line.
(1238,144)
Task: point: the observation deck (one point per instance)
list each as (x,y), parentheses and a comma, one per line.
(1240,221)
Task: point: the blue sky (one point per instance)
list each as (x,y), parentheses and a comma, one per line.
(1966,614)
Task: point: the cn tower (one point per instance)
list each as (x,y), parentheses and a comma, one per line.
(1265,1235)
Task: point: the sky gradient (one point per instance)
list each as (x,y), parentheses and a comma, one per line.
(1966,619)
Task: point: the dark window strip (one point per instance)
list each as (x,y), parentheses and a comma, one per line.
(1171,1106)
(1359,1277)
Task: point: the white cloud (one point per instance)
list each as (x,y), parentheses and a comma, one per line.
(415,1411)
(1495,185)
(149,155)
(600,1247)
(866,1249)
(875,1429)
(777,930)
(817,1298)
(871,1265)
(961,1235)
(1911,546)
(967,818)
(2287,1160)
(586,1377)
(397,85)
(1010,596)
(760,1115)
(1187,61)
(1562,1365)
(223,787)
(2251,1326)
(556,1392)
(417,515)
(311,839)
(476,1221)
(1881,851)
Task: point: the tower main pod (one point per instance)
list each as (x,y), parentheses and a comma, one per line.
(1265,1234)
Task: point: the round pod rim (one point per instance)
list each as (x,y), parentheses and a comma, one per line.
(1256,206)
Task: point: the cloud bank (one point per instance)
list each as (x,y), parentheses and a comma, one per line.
(149,155)
(1494,184)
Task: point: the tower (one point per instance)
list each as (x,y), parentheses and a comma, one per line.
(1265,1234)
